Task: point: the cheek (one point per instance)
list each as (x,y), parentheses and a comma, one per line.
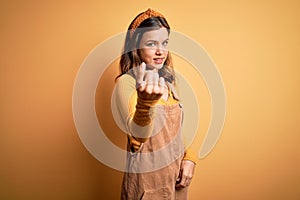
(146,54)
(166,53)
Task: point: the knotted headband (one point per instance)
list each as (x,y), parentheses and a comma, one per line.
(140,18)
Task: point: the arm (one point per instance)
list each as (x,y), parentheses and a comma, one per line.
(125,101)
(189,160)
(138,119)
(187,169)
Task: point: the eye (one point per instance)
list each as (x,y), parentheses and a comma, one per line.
(150,44)
(165,43)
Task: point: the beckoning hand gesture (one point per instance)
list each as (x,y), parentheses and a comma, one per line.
(148,83)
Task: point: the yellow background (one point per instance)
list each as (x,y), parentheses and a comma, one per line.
(255,44)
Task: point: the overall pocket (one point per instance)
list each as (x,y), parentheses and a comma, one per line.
(157,194)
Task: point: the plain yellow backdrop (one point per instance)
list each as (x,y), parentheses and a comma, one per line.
(255,44)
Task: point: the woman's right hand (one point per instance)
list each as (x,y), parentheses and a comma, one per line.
(148,83)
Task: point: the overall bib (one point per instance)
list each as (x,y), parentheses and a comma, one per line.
(152,171)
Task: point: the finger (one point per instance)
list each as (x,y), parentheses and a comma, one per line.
(156,88)
(140,74)
(149,82)
(182,182)
(187,182)
(179,176)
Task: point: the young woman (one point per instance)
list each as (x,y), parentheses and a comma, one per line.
(158,165)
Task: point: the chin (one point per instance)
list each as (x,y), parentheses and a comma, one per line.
(154,66)
(159,67)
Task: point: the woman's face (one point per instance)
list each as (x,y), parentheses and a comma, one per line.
(153,48)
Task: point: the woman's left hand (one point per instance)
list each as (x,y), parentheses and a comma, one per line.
(186,174)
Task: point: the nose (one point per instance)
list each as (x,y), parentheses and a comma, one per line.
(159,50)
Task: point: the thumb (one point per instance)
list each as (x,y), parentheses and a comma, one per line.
(179,176)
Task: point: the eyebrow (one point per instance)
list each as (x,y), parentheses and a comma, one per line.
(156,40)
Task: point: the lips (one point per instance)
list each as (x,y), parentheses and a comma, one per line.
(158,60)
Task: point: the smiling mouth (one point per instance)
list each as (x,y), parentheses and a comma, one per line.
(158,60)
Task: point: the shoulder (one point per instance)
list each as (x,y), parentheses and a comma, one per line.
(125,78)
(173,90)
(125,82)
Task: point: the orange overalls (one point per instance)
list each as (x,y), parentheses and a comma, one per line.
(153,170)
